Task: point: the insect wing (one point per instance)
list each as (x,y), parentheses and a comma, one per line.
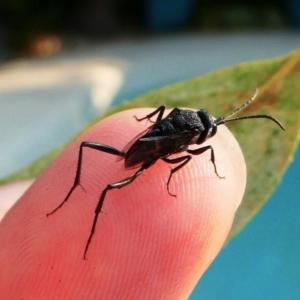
(129,145)
(148,149)
(166,145)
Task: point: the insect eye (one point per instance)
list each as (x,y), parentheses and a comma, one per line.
(214,130)
(210,133)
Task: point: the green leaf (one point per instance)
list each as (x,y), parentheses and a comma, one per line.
(263,144)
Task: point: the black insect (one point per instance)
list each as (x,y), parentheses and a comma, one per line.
(167,136)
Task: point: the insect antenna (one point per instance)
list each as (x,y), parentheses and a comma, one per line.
(225,119)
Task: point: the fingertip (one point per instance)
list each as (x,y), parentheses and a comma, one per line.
(147,242)
(197,221)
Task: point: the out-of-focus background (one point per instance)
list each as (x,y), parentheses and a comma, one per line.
(65,62)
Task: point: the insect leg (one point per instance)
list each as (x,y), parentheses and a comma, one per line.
(184,159)
(92,145)
(160,112)
(111,186)
(212,156)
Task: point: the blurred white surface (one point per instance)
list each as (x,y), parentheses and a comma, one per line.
(43,103)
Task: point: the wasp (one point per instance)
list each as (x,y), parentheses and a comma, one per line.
(165,137)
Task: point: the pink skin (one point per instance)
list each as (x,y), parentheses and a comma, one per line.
(147,244)
(10,193)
